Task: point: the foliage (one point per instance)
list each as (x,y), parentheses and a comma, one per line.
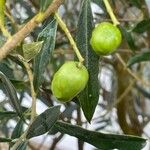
(116,97)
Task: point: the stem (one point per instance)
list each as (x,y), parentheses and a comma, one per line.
(33,107)
(110,12)
(33,93)
(146,83)
(70,38)
(19,140)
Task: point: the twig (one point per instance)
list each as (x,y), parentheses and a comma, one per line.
(22,33)
(70,38)
(55,141)
(110,11)
(130,71)
(33,94)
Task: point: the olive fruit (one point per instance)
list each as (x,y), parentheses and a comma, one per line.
(106,38)
(69,80)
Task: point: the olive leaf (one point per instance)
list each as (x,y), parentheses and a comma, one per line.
(44,122)
(145,56)
(12,94)
(90,95)
(48,35)
(31,50)
(44,4)
(101,140)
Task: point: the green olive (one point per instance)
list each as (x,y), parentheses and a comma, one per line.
(69,80)
(106,38)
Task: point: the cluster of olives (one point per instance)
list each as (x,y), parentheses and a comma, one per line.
(71,78)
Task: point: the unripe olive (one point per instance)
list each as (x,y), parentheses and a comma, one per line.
(69,80)
(106,38)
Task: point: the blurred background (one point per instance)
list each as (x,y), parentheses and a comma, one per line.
(124,102)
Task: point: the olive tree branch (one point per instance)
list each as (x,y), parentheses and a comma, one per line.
(13,41)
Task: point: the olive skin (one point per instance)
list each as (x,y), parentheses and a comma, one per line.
(106,38)
(69,81)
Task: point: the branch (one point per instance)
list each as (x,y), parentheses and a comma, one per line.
(28,28)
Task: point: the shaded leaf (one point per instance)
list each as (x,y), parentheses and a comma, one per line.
(145,56)
(17,130)
(44,122)
(136,3)
(5,140)
(12,94)
(128,37)
(145,93)
(31,50)
(44,4)
(48,35)
(101,140)
(7,114)
(90,95)
(5,67)
(22,146)
(142,26)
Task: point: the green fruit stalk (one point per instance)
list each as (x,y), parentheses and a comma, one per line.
(69,81)
(106,38)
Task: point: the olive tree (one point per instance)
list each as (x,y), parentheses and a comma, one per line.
(85,62)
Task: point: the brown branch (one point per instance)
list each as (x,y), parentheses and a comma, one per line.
(28,28)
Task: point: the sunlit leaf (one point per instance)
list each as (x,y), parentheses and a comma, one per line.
(31,50)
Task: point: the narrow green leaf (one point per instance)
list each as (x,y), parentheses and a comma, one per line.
(128,37)
(44,122)
(5,67)
(145,56)
(145,93)
(31,50)
(12,94)
(17,130)
(7,114)
(44,4)
(22,146)
(142,26)
(89,97)
(101,140)
(5,140)
(48,35)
